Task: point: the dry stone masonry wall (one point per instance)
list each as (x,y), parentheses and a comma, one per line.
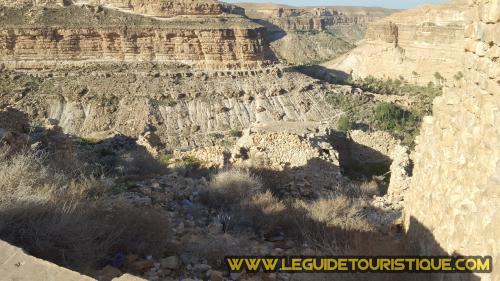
(456,186)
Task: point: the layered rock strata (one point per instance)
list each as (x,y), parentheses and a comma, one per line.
(316,18)
(422,45)
(34,38)
(455,193)
(186,109)
(171,8)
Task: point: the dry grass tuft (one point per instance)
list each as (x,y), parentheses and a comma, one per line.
(69,220)
(214,247)
(231,187)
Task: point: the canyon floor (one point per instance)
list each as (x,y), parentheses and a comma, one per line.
(154,139)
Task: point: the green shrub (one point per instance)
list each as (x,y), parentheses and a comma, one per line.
(344,124)
(189,162)
(388,115)
(235,133)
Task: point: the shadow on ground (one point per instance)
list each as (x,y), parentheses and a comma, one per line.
(132,231)
(322,73)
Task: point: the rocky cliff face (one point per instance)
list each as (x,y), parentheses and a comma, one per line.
(163,8)
(414,44)
(315,18)
(312,35)
(456,184)
(50,36)
(42,3)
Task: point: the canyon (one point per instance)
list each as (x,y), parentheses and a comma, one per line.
(189,127)
(308,35)
(421,45)
(289,18)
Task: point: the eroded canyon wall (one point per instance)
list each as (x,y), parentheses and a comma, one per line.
(171,8)
(456,184)
(46,37)
(415,44)
(289,18)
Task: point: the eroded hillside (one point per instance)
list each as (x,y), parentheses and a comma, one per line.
(422,45)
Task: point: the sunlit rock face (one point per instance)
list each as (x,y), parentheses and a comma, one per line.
(456,184)
(415,44)
(54,34)
(314,18)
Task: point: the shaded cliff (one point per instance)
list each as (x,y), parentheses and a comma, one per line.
(456,183)
(415,44)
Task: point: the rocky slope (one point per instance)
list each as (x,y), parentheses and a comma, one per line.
(456,185)
(299,48)
(415,44)
(186,108)
(47,37)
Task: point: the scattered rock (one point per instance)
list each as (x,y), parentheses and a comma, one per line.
(140,266)
(108,273)
(171,262)
(216,275)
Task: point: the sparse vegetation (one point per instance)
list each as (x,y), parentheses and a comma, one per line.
(402,123)
(90,141)
(188,162)
(230,187)
(344,124)
(70,220)
(235,133)
(323,223)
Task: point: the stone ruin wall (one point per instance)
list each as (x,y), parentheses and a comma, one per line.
(455,194)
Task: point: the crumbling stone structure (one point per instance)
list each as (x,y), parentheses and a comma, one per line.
(456,186)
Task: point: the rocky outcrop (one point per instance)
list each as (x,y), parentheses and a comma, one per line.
(456,184)
(17,265)
(315,18)
(171,8)
(42,3)
(415,44)
(35,38)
